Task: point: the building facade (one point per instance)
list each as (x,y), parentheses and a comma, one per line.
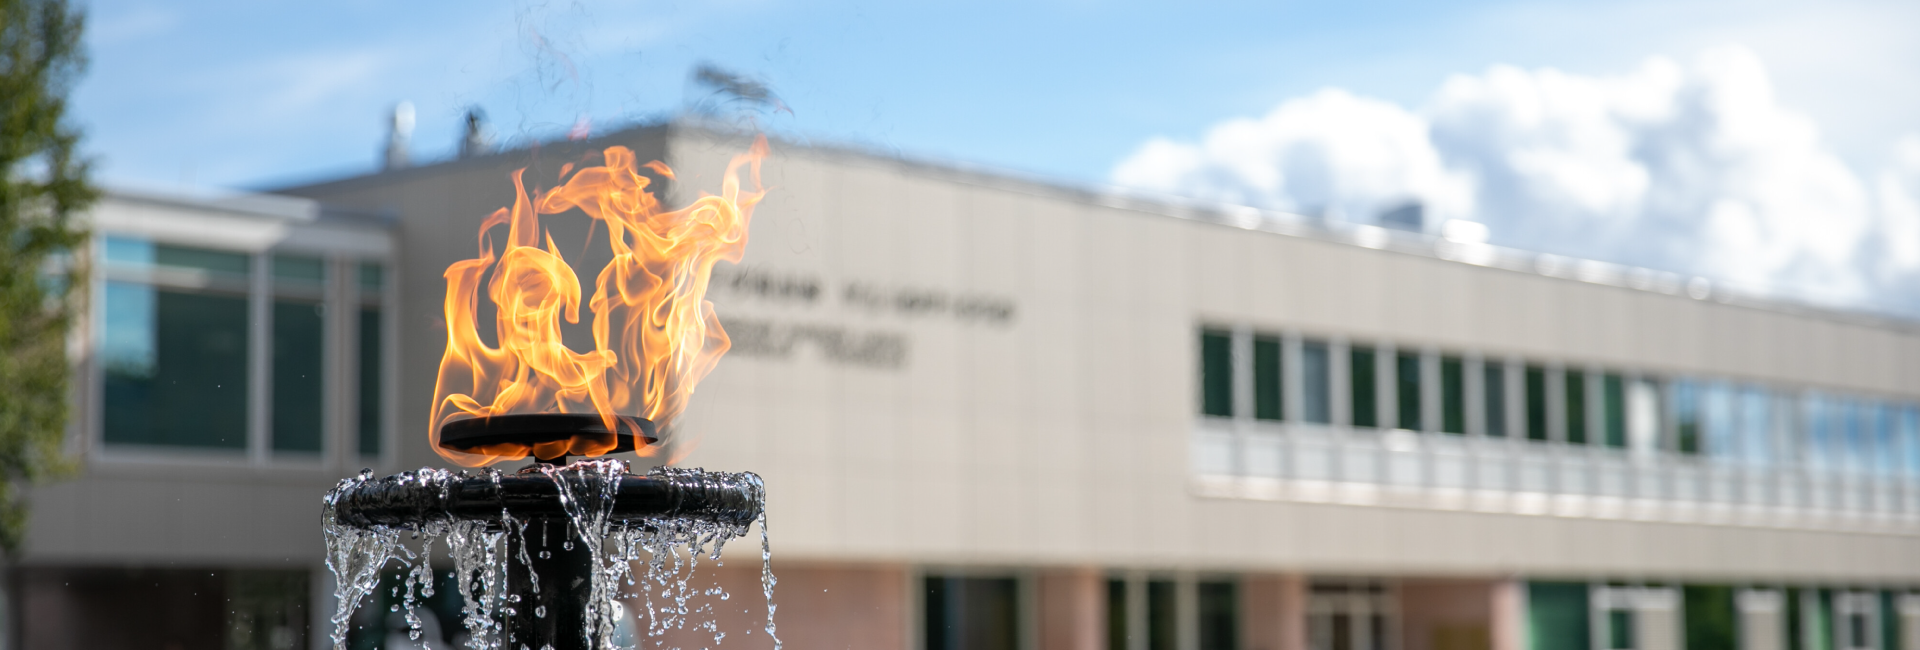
(993,413)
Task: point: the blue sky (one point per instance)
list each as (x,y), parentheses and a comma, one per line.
(245,94)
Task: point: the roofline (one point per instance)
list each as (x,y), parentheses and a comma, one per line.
(1248,218)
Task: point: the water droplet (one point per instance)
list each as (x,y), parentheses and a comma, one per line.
(540,612)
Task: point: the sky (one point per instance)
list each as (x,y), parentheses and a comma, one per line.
(1770,144)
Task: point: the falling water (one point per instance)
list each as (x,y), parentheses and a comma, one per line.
(668,548)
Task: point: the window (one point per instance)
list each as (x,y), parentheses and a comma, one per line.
(1756,425)
(1494,384)
(1216,373)
(1219,616)
(1909,425)
(1820,436)
(1536,403)
(1620,629)
(1613,411)
(372,287)
(1686,416)
(1162,615)
(1643,416)
(972,613)
(1316,387)
(174,346)
(1576,389)
(1267,389)
(299,344)
(1366,409)
(1453,396)
(1117,615)
(1407,390)
(1717,411)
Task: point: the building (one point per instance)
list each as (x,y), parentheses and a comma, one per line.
(994,413)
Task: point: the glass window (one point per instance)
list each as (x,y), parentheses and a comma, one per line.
(1407,390)
(1216,373)
(1316,389)
(1709,617)
(1886,450)
(1620,629)
(174,354)
(1643,415)
(1576,389)
(1717,418)
(1453,396)
(1821,440)
(1858,444)
(1613,411)
(1162,616)
(1756,425)
(1686,416)
(1266,379)
(1495,384)
(1219,616)
(1910,438)
(370,384)
(1536,403)
(371,364)
(1557,616)
(299,343)
(1366,410)
(972,613)
(1117,615)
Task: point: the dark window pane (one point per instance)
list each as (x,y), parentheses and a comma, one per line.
(1557,616)
(1407,390)
(1536,403)
(1316,388)
(1216,374)
(1366,411)
(1219,616)
(297,359)
(1453,396)
(1161,615)
(1117,615)
(1686,416)
(1495,385)
(202,259)
(1576,382)
(370,384)
(1890,622)
(1343,632)
(1619,629)
(972,613)
(373,278)
(1614,411)
(1710,617)
(1266,379)
(175,368)
(299,268)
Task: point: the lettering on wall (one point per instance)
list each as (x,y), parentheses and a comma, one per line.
(775,338)
(834,343)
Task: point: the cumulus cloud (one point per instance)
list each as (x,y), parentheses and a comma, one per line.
(1696,168)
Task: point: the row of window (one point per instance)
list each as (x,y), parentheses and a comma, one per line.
(1271,377)
(1617,616)
(177,346)
(975,613)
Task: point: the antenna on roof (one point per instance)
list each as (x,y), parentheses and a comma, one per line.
(477,141)
(400,137)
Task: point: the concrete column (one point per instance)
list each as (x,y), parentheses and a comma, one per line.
(1273,612)
(1073,609)
(1508,624)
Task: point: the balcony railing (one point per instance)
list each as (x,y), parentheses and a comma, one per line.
(1393,468)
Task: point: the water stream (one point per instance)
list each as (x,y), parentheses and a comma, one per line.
(666,551)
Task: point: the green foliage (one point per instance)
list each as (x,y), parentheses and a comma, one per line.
(43,189)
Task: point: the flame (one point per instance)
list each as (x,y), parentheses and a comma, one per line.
(655,335)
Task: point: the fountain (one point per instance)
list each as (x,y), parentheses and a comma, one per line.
(540,555)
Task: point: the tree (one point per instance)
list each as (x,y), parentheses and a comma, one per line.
(44,188)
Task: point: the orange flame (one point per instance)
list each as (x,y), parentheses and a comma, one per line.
(655,335)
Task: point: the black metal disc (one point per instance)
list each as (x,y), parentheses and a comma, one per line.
(536,428)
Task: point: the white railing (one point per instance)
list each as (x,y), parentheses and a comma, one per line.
(1318,463)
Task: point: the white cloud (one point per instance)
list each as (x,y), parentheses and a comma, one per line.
(1696,168)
